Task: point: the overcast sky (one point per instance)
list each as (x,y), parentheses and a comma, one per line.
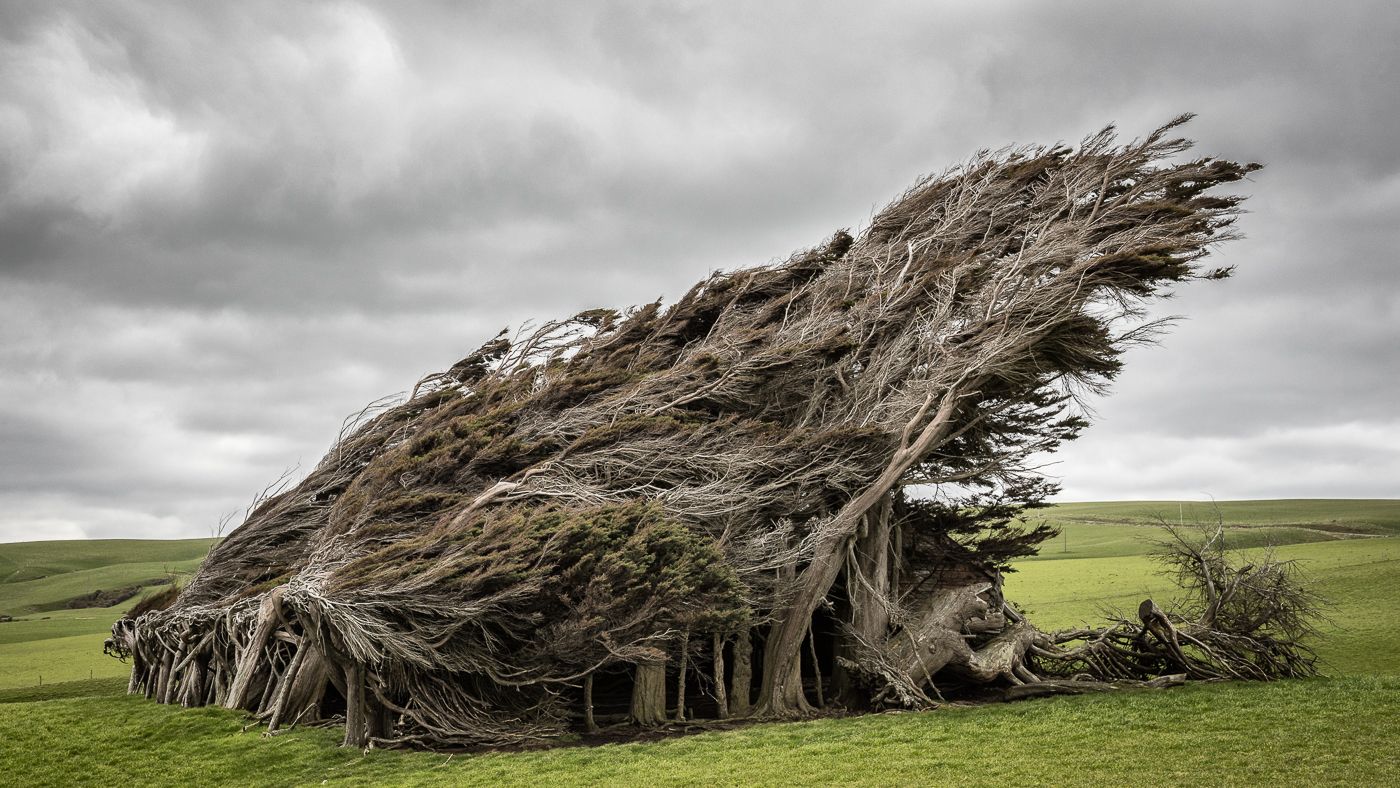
(224,226)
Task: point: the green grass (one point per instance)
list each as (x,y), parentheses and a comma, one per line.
(1331,732)
(20,561)
(41,576)
(56,660)
(47,594)
(1346,515)
(1341,730)
(85,688)
(1359,577)
(61,623)
(66,645)
(62,645)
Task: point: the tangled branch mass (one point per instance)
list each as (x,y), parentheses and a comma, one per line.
(703,510)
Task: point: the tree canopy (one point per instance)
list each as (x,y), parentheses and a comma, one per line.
(583,500)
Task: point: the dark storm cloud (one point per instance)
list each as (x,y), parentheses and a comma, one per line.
(222,227)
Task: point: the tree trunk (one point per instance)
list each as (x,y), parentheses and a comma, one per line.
(134,683)
(309,682)
(163,678)
(253,652)
(220,682)
(741,684)
(1002,657)
(816,668)
(649,694)
(777,697)
(356,724)
(680,676)
(152,678)
(193,692)
(871,591)
(926,646)
(781,691)
(589,724)
(937,641)
(284,687)
(379,718)
(870,587)
(721,697)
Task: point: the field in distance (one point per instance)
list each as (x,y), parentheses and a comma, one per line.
(45,588)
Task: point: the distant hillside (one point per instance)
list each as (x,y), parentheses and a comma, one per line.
(43,576)
(1337,515)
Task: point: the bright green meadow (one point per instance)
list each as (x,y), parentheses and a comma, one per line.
(79,727)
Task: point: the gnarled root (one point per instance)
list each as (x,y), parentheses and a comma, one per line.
(958,640)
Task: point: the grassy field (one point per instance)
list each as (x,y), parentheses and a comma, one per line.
(1339,730)
(1323,732)
(1359,577)
(21,561)
(1336,515)
(41,576)
(50,643)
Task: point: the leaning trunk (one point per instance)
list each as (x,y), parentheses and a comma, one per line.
(782,660)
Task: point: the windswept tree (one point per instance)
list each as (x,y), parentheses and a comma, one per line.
(701,509)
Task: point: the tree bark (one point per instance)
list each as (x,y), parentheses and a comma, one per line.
(741,684)
(680,676)
(252,653)
(781,691)
(192,694)
(589,724)
(649,694)
(356,724)
(927,646)
(163,678)
(379,718)
(869,587)
(777,697)
(151,679)
(220,683)
(134,683)
(284,687)
(721,697)
(309,682)
(1002,657)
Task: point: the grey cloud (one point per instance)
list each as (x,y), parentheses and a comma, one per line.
(224,227)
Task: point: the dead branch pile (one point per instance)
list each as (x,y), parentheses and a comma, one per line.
(564,527)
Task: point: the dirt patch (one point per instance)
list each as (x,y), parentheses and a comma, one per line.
(102,598)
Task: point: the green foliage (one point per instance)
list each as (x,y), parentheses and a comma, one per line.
(620,560)
(993,527)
